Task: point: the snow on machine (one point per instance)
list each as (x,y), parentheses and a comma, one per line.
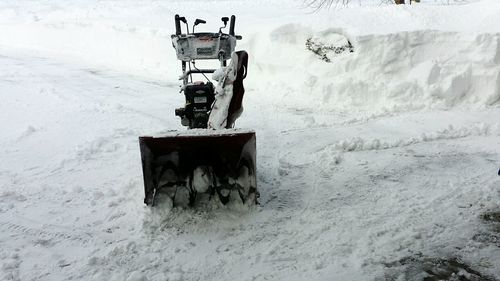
(211,159)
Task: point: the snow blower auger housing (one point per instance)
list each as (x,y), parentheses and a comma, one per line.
(211,159)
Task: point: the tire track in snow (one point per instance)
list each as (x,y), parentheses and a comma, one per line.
(281,252)
(45,235)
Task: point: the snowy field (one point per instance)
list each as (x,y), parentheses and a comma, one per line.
(379,165)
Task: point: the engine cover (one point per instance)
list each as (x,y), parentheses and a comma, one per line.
(199,100)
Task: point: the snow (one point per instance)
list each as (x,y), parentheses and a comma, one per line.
(203,132)
(223,94)
(380,165)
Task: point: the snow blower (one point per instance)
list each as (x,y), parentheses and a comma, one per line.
(211,159)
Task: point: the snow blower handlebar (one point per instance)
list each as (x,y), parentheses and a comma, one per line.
(179,19)
(196,22)
(231,25)
(224,21)
(177,25)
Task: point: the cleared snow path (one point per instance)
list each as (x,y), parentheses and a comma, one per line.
(343,197)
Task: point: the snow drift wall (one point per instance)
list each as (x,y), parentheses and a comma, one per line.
(389,72)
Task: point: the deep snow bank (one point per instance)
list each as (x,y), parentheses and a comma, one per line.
(415,62)
(387,72)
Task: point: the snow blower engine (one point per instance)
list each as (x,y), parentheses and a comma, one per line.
(211,157)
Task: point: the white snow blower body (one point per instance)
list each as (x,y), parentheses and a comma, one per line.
(211,158)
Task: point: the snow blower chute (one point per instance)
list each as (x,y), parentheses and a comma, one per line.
(211,159)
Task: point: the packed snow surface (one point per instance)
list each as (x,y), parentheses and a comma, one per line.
(381,164)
